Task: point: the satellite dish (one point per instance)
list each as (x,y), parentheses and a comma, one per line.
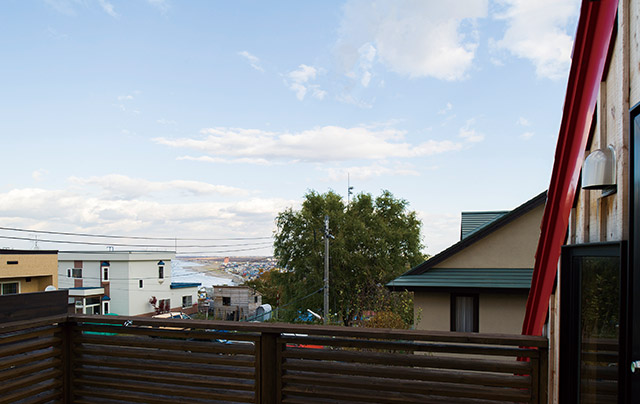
(50,288)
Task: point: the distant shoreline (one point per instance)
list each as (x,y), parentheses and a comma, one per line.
(212,267)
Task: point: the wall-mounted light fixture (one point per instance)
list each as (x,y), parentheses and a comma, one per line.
(599,170)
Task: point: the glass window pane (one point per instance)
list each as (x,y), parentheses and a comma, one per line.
(10,288)
(599,328)
(464,313)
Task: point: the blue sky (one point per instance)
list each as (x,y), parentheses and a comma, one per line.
(202,119)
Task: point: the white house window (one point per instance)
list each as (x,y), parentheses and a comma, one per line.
(140,283)
(69,273)
(77,272)
(187,301)
(105,274)
(464,313)
(9,288)
(226,301)
(105,307)
(160,270)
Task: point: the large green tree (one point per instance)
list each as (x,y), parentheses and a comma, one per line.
(375,240)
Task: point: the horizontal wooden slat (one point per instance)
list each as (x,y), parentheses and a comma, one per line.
(168,332)
(32,323)
(24,335)
(162,355)
(97,395)
(367,396)
(46,397)
(28,369)
(409,360)
(28,346)
(381,386)
(437,375)
(33,391)
(182,394)
(166,366)
(291,399)
(411,346)
(278,328)
(173,345)
(30,357)
(168,379)
(25,382)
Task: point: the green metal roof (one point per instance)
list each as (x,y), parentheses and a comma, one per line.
(472,221)
(484,278)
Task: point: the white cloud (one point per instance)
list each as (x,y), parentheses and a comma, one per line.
(38,175)
(74,210)
(254,61)
(64,6)
(55,34)
(163,121)
(209,159)
(124,187)
(537,31)
(527,135)
(108,8)
(470,134)
(366,172)
(522,121)
(125,97)
(162,5)
(300,82)
(412,37)
(440,230)
(446,109)
(327,143)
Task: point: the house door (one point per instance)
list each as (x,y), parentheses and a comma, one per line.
(592,323)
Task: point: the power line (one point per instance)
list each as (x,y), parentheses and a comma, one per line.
(265,243)
(132,237)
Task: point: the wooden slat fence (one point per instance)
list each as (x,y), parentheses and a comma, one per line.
(118,360)
(31,361)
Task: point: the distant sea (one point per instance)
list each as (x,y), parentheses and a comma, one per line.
(183,271)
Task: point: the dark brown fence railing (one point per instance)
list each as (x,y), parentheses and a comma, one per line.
(117,360)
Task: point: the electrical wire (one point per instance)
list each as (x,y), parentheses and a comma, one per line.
(133,245)
(132,237)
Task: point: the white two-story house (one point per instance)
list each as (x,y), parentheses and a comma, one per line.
(131,283)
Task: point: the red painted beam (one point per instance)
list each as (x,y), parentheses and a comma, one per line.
(593,35)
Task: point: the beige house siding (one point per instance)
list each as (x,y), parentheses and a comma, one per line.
(501,313)
(34,271)
(433,310)
(519,239)
(497,312)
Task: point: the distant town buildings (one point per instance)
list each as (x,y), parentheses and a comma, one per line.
(249,270)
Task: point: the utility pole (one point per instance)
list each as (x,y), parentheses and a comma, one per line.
(326,269)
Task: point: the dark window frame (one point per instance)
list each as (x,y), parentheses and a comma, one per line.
(570,285)
(476,310)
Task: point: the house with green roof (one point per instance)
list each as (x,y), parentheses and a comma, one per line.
(481,283)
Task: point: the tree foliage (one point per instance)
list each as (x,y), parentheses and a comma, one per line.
(376,239)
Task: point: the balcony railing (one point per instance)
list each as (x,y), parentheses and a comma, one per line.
(116,360)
